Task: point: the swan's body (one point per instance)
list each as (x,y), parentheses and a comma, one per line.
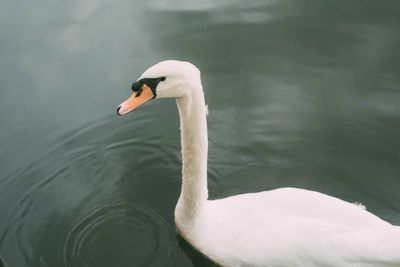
(287,227)
(293,227)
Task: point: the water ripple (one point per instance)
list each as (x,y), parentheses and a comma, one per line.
(140,235)
(70,207)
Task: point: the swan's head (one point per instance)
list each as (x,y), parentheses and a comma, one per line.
(169,78)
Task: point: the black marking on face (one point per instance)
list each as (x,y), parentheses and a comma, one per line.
(150,82)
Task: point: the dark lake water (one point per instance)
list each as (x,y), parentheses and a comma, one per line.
(301,93)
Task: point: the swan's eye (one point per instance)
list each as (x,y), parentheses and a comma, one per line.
(163,78)
(136,86)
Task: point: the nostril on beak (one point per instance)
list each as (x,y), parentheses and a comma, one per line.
(119,107)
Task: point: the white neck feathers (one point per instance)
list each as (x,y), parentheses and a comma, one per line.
(193,123)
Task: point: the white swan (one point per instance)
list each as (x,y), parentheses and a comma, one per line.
(285,227)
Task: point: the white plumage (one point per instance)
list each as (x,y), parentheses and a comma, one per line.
(286,227)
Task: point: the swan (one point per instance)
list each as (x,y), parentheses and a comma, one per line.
(285,227)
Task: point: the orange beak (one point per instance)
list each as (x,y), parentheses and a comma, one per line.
(136,100)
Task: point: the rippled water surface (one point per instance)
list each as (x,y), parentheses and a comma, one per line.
(301,93)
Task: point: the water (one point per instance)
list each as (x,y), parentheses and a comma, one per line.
(301,93)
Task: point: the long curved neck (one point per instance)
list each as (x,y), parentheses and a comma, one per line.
(194,193)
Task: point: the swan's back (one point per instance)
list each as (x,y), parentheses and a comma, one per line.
(296,202)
